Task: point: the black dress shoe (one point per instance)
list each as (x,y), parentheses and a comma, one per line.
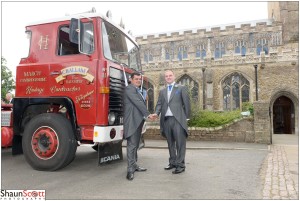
(178,170)
(130,176)
(170,166)
(140,169)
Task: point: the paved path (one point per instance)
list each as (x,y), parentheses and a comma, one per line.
(281,169)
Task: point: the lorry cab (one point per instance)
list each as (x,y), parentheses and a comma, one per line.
(69,89)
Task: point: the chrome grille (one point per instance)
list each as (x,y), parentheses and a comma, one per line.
(5,118)
(117,87)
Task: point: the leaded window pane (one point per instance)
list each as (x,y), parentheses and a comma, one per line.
(179,56)
(203,54)
(243,51)
(235,91)
(192,86)
(235,96)
(198,52)
(258,49)
(266,49)
(245,93)
(217,53)
(226,98)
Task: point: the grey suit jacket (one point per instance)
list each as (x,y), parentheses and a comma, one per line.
(135,110)
(179,105)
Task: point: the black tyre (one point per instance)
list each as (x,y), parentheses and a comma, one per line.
(48,142)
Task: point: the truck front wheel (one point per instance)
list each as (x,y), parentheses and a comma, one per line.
(48,142)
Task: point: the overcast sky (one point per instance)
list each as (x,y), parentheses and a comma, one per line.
(139,17)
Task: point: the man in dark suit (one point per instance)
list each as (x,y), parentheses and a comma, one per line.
(173,105)
(135,115)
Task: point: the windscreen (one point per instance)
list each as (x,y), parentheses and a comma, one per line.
(119,48)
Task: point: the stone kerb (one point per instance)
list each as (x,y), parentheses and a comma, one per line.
(241,130)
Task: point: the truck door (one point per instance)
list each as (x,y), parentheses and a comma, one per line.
(73,74)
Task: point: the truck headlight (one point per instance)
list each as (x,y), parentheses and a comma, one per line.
(111,118)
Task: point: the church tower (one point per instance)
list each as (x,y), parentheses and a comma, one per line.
(286,12)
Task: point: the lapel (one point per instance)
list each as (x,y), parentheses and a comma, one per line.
(139,94)
(165,92)
(175,87)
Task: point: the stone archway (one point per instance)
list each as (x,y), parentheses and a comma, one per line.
(284,109)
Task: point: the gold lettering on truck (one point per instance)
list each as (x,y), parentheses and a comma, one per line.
(72,70)
(84,96)
(31,89)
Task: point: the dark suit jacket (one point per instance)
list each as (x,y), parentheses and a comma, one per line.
(179,105)
(135,110)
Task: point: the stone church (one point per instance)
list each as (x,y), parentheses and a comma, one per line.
(224,66)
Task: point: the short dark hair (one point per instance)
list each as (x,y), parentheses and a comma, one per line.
(133,74)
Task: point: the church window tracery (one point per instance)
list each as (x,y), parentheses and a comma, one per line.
(200,51)
(148,56)
(219,50)
(262,45)
(240,47)
(235,91)
(192,86)
(182,53)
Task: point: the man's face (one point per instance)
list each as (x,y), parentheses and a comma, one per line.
(7,97)
(136,80)
(169,77)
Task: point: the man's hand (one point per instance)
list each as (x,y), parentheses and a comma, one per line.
(153,117)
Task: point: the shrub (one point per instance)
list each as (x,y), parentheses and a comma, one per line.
(247,106)
(213,119)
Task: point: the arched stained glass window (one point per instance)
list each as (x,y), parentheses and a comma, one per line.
(235,91)
(192,86)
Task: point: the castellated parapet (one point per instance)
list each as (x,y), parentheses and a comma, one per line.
(252,26)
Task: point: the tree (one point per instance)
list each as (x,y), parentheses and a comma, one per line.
(7,81)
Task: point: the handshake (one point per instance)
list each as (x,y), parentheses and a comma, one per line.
(153,117)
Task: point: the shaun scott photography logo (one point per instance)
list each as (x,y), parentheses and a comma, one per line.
(23,195)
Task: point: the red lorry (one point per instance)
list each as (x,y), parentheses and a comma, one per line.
(69,90)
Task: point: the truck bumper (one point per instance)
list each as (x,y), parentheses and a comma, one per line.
(108,134)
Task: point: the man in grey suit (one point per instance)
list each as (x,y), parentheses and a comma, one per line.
(135,114)
(173,105)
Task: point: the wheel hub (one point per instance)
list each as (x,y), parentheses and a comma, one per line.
(44,142)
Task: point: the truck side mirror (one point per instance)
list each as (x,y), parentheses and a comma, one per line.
(76,27)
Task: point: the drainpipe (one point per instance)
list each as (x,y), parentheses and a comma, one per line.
(256,85)
(203,87)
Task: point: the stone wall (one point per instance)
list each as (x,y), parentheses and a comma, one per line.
(239,131)
(262,122)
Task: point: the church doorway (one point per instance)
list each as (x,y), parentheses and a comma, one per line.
(283,116)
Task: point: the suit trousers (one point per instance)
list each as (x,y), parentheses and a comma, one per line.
(176,138)
(132,147)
